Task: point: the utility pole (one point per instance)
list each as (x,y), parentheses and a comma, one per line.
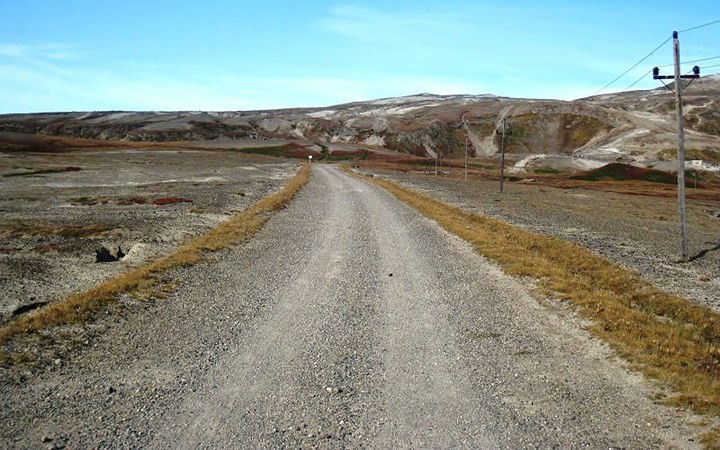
(464,124)
(502,155)
(466,142)
(685,256)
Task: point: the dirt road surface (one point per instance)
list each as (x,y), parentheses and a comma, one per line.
(348,321)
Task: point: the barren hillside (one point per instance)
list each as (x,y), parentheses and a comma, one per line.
(634,127)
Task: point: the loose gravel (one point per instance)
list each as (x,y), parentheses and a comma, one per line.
(348,321)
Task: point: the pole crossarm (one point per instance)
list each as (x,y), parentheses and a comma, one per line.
(672,77)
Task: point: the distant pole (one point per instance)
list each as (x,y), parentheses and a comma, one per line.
(435,164)
(685,256)
(466,142)
(502,155)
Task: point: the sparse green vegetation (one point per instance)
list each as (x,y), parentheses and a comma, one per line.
(324,152)
(84,201)
(577,130)
(549,131)
(516,133)
(136,200)
(482,166)
(485,128)
(19,228)
(546,171)
(267,151)
(708,122)
(623,172)
(42,172)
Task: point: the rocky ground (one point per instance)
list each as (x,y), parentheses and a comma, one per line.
(349,320)
(639,232)
(58,209)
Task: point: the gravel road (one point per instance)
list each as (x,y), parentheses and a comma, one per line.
(348,321)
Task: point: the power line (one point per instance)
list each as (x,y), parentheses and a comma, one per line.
(638,80)
(670,65)
(700,26)
(652,52)
(688,73)
(633,66)
(693,61)
(701,60)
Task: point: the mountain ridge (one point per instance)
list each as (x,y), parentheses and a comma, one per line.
(634,127)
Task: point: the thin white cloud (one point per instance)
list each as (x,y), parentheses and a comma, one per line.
(32,88)
(60,52)
(46,51)
(414,32)
(12,50)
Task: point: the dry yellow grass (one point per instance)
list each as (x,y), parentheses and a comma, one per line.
(663,335)
(711,439)
(149,278)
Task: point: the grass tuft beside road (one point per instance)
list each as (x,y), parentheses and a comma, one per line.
(150,280)
(663,335)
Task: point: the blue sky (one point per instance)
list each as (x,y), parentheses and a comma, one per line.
(91,55)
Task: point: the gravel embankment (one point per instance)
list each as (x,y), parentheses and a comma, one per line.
(348,321)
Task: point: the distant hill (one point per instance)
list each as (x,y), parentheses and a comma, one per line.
(636,127)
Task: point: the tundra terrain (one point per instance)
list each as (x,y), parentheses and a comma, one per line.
(58,209)
(349,320)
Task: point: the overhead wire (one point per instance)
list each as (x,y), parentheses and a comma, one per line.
(700,26)
(638,80)
(668,65)
(700,60)
(634,66)
(693,61)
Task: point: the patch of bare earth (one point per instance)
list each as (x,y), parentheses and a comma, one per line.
(145,202)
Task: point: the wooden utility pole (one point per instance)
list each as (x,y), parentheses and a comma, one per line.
(464,124)
(685,254)
(502,155)
(680,150)
(466,142)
